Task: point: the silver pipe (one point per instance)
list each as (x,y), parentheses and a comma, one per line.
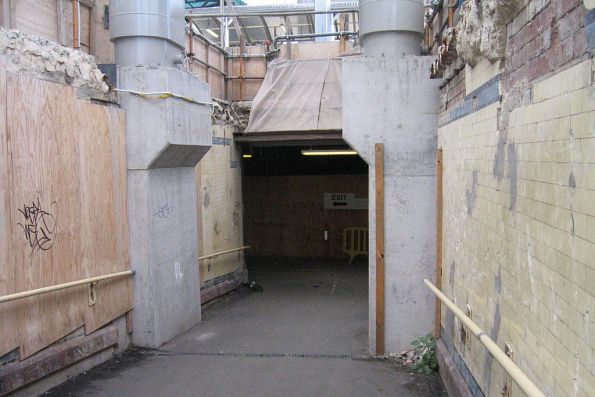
(391,28)
(247,56)
(195,59)
(268,13)
(212,44)
(147,32)
(310,36)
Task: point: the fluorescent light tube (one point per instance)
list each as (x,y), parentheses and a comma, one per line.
(210,31)
(334,152)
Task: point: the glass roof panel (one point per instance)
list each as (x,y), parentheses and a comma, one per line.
(209,3)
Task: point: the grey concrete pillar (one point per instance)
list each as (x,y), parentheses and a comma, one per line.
(165,140)
(392,101)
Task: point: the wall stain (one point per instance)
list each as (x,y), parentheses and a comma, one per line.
(571,181)
(236,214)
(472,194)
(498,281)
(512,171)
(500,156)
(489,361)
(206,199)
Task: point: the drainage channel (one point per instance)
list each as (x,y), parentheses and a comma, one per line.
(269,355)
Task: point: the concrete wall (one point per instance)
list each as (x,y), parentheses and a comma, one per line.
(219,191)
(519,219)
(391,101)
(285,215)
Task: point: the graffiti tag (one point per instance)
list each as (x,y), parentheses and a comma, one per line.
(164,210)
(39,227)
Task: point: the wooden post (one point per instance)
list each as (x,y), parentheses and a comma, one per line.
(242,50)
(129,324)
(379,171)
(8,14)
(208,49)
(227,83)
(439,172)
(61,20)
(342,40)
(191,41)
(451,12)
(76,40)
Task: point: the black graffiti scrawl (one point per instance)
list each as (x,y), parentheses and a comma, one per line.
(39,226)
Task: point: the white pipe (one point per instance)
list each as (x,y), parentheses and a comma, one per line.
(509,366)
(163,95)
(44,290)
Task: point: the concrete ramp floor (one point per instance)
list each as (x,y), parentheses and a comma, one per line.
(305,334)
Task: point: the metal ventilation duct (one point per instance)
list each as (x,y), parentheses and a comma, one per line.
(391,28)
(150,33)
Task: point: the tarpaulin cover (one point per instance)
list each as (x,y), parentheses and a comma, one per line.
(298,96)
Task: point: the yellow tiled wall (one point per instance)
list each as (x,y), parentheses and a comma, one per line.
(219,189)
(519,234)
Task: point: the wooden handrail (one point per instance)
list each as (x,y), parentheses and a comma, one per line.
(200,258)
(44,290)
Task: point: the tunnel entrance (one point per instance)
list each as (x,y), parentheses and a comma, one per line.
(306,221)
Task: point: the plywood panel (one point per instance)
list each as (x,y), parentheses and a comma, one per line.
(103,204)
(294,224)
(37,17)
(45,208)
(8,314)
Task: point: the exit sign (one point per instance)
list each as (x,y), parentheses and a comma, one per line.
(344,201)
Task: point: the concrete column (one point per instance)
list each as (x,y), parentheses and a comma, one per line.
(165,140)
(392,101)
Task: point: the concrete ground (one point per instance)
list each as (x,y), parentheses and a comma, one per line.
(304,335)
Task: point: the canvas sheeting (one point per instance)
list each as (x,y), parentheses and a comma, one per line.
(298,96)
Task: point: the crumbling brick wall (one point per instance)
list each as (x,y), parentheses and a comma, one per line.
(518,137)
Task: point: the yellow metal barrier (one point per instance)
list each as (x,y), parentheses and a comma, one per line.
(355,242)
